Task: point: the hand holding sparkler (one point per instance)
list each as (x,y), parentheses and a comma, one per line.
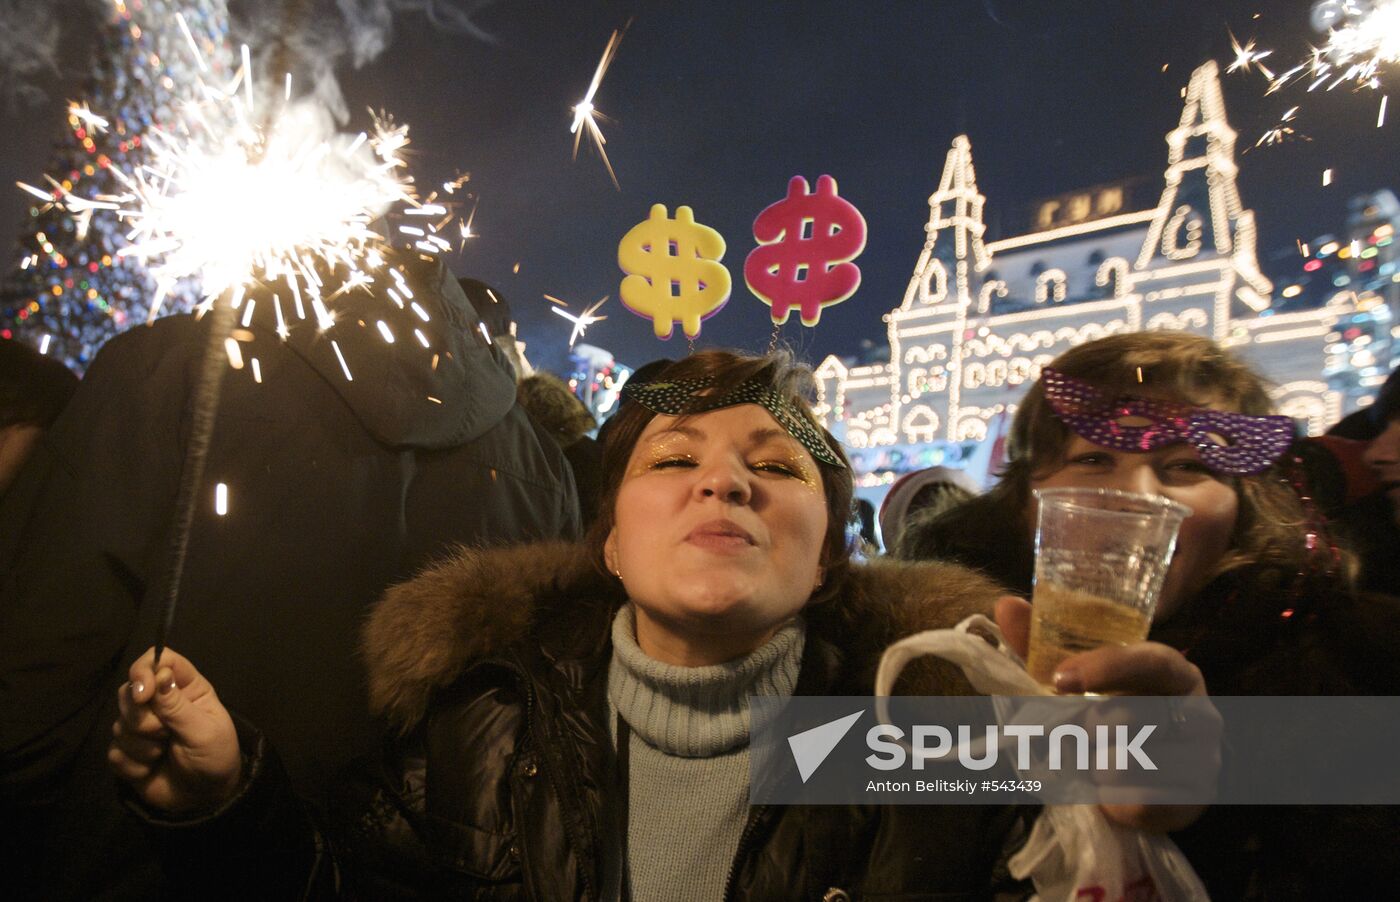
(173,740)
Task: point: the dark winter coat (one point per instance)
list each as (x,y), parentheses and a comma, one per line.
(1251,632)
(550,403)
(494,666)
(1370,526)
(337,488)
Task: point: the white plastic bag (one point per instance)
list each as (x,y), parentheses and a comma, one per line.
(1074,852)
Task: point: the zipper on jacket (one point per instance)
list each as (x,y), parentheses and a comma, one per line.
(750,827)
(550,775)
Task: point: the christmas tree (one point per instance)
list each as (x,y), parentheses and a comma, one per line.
(71,290)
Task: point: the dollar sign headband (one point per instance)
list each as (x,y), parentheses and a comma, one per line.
(686,397)
(1233,443)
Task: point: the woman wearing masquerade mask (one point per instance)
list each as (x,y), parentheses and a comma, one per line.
(1257,595)
(574,721)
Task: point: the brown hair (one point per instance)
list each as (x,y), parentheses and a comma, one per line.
(1181,367)
(728,370)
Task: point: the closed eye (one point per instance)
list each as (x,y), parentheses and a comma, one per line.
(777,467)
(669,462)
(1091,459)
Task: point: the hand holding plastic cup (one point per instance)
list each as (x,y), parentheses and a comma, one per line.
(1101,556)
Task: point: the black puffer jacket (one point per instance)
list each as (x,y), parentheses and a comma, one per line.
(496,664)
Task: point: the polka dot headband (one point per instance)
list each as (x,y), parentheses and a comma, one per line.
(686,397)
(1234,443)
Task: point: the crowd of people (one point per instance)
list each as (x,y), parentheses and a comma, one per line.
(463,650)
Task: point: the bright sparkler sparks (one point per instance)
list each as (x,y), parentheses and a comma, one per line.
(87,117)
(581,321)
(1363,38)
(1247,57)
(1366,42)
(240,190)
(586,116)
(1282,131)
(466,227)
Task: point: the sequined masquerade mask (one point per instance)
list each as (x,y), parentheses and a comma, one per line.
(1233,443)
(686,397)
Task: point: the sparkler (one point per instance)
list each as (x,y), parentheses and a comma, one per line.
(243,190)
(1282,131)
(1363,38)
(1369,39)
(230,201)
(86,116)
(466,227)
(1247,57)
(581,321)
(231,206)
(586,116)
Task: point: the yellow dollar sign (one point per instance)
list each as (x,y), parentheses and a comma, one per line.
(674,273)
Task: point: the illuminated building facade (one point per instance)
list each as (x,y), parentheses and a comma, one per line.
(597,379)
(1363,265)
(979,318)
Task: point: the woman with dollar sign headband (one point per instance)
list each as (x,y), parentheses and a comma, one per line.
(571,722)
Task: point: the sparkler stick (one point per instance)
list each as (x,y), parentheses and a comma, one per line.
(204,402)
(231,202)
(204,407)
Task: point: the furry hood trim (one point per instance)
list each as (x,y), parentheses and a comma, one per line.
(425,632)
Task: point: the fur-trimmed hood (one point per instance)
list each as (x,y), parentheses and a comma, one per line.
(425,632)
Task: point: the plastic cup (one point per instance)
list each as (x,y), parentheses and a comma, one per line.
(1100,558)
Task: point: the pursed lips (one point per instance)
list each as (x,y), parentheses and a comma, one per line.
(721,535)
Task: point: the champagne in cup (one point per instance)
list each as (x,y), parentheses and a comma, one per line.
(1100,558)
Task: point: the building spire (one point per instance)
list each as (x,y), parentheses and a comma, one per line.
(1200,209)
(957,204)
(947,262)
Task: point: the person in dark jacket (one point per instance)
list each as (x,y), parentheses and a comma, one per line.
(575,718)
(1381,555)
(34,389)
(550,403)
(1256,596)
(1372,522)
(348,464)
(499,324)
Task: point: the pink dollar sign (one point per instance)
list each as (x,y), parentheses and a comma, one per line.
(805,244)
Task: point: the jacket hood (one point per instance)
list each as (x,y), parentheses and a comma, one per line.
(424,633)
(548,401)
(405,395)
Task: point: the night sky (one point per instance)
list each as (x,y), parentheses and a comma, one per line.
(717,104)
